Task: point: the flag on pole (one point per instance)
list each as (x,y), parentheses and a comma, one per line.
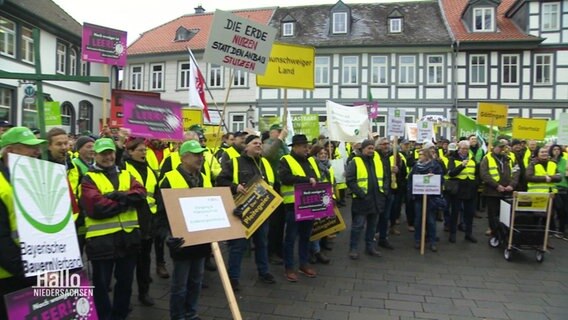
(373,107)
(197,87)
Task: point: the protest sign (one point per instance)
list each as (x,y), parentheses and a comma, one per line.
(290,66)
(411,131)
(116,108)
(338,166)
(42,203)
(239,43)
(494,114)
(313,202)
(258,202)
(348,124)
(148,117)
(266,121)
(327,226)
(395,122)
(191,116)
(372,108)
(524,128)
(532,201)
(426,184)
(103,45)
(307,124)
(52,114)
(563,129)
(425,131)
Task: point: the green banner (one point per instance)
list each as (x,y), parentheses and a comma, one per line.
(467,126)
(52,114)
(265,122)
(307,124)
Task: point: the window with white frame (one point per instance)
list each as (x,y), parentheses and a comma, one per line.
(407,70)
(67,114)
(550,16)
(85,116)
(84,68)
(73,63)
(238,121)
(322,71)
(136,77)
(379,70)
(239,78)
(350,70)
(7,37)
(183,82)
(543,68)
(288,29)
(478,69)
(215,76)
(395,25)
(436,69)
(484,19)
(339,22)
(510,69)
(61,58)
(6,96)
(27,45)
(157,76)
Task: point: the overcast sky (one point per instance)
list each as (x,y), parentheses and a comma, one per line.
(139,16)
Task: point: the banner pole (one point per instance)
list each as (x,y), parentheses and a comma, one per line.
(285,124)
(105,95)
(423,227)
(226,99)
(236,313)
(490,142)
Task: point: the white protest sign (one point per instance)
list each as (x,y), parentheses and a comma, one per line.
(563,129)
(395,126)
(349,124)
(411,131)
(338,166)
(204,213)
(505,213)
(239,43)
(426,184)
(44,216)
(425,131)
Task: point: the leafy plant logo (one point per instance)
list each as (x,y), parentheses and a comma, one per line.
(44,197)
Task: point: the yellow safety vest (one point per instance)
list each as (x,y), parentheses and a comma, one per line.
(492,165)
(150,185)
(178,182)
(287,191)
(152,160)
(127,221)
(232,152)
(527,157)
(403,159)
(265,164)
(176,160)
(469,171)
(539,171)
(6,196)
(363,175)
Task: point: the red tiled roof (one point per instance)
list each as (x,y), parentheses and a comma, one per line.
(506,28)
(161,38)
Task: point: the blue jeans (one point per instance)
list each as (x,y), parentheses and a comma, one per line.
(185,288)
(357,226)
(296,229)
(430,223)
(124,274)
(237,248)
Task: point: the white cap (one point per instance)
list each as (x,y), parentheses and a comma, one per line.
(428,145)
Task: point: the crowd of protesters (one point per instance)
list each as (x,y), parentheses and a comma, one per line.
(117,179)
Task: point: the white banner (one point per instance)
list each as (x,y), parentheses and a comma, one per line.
(396,118)
(426,184)
(338,166)
(425,131)
(563,129)
(44,216)
(348,124)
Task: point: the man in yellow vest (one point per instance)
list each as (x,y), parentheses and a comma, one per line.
(21,141)
(368,177)
(109,197)
(236,175)
(296,168)
(236,149)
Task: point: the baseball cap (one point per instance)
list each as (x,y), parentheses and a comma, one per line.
(196,128)
(428,145)
(241,134)
(5,124)
(191,146)
(103,144)
(275,126)
(452,146)
(20,135)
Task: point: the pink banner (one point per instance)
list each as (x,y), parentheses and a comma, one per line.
(152,118)
(313,202)
(372,108)
(103,45)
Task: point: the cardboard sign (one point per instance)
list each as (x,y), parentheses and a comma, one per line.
(211,209)
(348,124)
(239,43)
(395,122)
(426,184)
(42,204)
(563,129)
(152,118)
(103,45)
(425,131)
(290,66)
(494,114)
(313,202)
(327,226)
(529,128)
(532,201)
(259,202)
(191,116)
(307,124)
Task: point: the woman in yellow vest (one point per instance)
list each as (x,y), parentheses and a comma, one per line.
(542,173)
(135,163)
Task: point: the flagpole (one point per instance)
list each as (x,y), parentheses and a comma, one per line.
(285,108)
(231,73)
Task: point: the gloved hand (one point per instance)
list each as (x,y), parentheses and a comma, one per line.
(135,198)
(238,211)
(174,243)
(119,196)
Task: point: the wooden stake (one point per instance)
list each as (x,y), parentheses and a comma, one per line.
(231,73)
(233,305)
(285,115)
(512,222)
(105,95)
(423,227)
(548,217)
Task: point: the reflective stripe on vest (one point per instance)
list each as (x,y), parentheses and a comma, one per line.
(232,152)
(6,196)
(493,170)
(363,175)
(287,191)
(403,159)
(265,164)
(468,172)
(178,182)
(150,184)
(544,187)
(126,221)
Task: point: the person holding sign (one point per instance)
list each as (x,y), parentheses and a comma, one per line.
(236,174)
(296,168)
(109,197)
(189,262)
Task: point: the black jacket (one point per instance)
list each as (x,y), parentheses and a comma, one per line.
(374,201)
(248,169)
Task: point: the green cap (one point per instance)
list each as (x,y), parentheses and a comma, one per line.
(103,144)
(275,126)
(20,135)
(196,128)
(191,146)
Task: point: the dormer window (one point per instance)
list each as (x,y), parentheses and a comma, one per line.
(339,22)
(288,29)
(395,25)
(483,19)
(183,34)
(550,17)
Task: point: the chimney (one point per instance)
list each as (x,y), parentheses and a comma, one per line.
(199,9)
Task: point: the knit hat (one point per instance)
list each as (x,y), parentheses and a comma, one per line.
(250,138)
(367,142)
(83,140)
